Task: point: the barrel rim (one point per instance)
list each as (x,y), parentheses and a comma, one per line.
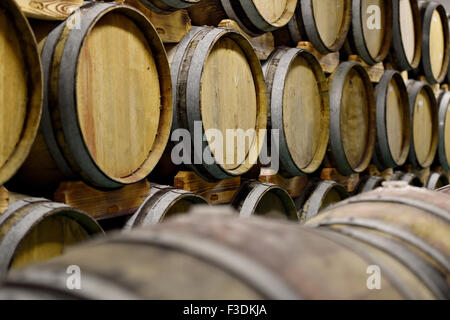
(434,179)
(35,92)
(414,88)
(382,146)
(360,39)
(444,102)
(427,15)
(282,60)
(398,48)
(168,6)
(338,80)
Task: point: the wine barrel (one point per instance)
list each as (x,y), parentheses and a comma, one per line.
(253,16)
(299,109)
(218,86)
(398,219)
(368,183)
(406,49)
(409,178)
(436,181)
(393,121)
(168,6)
(106,117)
(324,23)
(435,41)
(215,255)
(20,89)
(443,151)
(36,229)
(264,199)
(163,202)
(352,121)
(371,30)
(317,196)
(424,124)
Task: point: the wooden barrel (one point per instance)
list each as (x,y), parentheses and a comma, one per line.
(324,23)
(398,219)
(406,49)
(299,109)
(106,117)
(435,41)
(371,30)
(168,6)
(409,178)
(368,183)
(443,151)
(264,199)
(436,181)
(253,16)
(20,89)
(317,196)
(163,202)
(218,87)
(424,124)
(35,229)
(214,255)
(352,121)
(393,121)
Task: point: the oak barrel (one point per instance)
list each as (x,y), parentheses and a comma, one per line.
(409,178)
(317,196)
(36,229)
(218,88)
(324,23)
(168,6)
(192,257)
(435,41)
(264,199)
(424,124)
(253,16)
(20,89)
(352,120)
(443,152)
(162,203)
(406,49)
(398,219)
(393,121)
(299,109)
(436,181)
(370,34)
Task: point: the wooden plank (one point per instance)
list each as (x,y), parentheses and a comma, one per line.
(49,9)
(375,72)
(170,27)
(329,62)
(264,45)
(103,204)
(294,186)
(349,182)
(220,192)
(385,174)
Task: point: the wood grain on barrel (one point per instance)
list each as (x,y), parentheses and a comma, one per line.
(423,126)
(14,87)
(228,100)
(437,44)
(118,95)
(48,239)
(271,10)
(330,17)
(302,112)
(395,120)
(407,29)
(374,37)
(355,127)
